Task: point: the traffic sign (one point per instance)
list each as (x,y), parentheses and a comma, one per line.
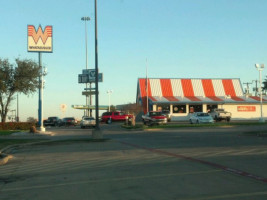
(83,78)
(88,76)
(92,76)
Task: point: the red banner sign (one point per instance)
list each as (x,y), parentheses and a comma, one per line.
(246,108)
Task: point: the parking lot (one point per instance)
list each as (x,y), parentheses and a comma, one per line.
(184,163)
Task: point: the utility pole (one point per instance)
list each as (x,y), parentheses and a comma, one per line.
(247,92)
(96,71)
(256,89)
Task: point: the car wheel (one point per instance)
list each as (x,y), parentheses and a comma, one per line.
(190,121)
(109,121)
(197,122)
(228,119)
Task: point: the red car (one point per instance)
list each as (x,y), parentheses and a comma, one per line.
(109,117)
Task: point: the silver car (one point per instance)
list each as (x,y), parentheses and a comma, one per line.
(88,122)
(200,117)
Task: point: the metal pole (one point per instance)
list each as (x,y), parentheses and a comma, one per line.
(86,58)
(96,70)
(41,93)
(39,100)
(90,103)
(85,19)
(109,93)
(261,96)
(108,102)
(17,107)
(260,68)
(146,89)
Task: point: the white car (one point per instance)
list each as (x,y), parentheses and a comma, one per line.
(200,117)
(88,122)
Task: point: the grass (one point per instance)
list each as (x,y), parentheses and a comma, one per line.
(209,125)
(217,124)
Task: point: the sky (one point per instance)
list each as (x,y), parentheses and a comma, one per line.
(178,38)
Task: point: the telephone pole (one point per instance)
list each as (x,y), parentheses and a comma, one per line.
(247,91)
(256,89)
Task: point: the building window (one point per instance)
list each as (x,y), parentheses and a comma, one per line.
(210,107)
(179,109)
(195,108)
(163,107)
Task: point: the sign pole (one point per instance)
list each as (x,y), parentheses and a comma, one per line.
(45,46)
(96,70)
(90,103)
(41,83)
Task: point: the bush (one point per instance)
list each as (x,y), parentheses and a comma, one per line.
(16,125)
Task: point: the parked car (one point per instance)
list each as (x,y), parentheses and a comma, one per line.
(68,121)
(154,117)
(52,121)
(219,114)
(200,117)
(109,117)
(88,122)
(168,114)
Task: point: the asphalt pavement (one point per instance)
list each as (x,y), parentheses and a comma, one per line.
(184,163)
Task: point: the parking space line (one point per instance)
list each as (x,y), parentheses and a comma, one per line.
(215,165)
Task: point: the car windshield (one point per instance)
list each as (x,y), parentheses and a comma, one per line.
(202,114)
(69,118)
(88,118)
(155,114)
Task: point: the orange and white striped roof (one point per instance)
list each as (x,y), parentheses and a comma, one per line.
(193,90)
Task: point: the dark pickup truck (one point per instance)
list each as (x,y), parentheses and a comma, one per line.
(52,121)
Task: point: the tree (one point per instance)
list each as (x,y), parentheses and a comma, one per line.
(131,108)
(31,120)
(264,88)
(112,108)
(23,77)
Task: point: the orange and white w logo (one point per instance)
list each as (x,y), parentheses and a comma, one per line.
(40,41)
(40,34)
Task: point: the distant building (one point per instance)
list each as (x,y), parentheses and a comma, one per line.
(184,96)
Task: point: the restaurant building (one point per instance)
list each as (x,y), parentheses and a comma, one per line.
(184,96)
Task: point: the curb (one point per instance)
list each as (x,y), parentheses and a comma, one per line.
(4,158)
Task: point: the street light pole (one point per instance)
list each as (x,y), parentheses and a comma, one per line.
(260,68)
(17,107)
(85,19)
(109,93)
(96,71)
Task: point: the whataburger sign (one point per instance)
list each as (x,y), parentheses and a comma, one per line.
(40,40)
